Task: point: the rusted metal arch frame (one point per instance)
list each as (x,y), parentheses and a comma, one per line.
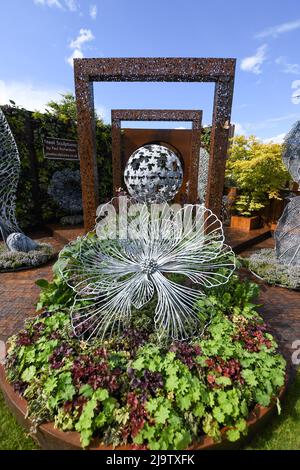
(86,71)
(195,116)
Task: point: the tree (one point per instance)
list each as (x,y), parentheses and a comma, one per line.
(257,170)
(65,109)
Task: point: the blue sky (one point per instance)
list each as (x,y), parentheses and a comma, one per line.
(40,37)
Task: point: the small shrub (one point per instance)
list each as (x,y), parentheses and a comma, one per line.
(258,171)
(10,260)
(265,264)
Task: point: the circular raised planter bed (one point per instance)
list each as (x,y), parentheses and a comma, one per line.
(264,281)
(50,438)
(50,257)
(27,268)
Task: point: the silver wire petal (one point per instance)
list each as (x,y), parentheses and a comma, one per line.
(110,276)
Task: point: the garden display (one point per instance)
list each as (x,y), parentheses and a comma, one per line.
(149,341)
(287,236)
(145,338)
(18,250)
(282,265)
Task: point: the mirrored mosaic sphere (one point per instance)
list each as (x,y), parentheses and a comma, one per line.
(153,173)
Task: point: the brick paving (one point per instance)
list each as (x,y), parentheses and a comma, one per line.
(240,240)
(18,295)
(280,306)
(65,234)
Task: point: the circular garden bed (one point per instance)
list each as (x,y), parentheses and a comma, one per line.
(11,261)
(265,266)
(131,391)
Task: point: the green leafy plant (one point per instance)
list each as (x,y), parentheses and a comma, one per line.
(256,168)
(129,389)
(265,264)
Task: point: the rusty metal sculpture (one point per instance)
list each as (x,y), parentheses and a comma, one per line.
(219,71)
(191,160)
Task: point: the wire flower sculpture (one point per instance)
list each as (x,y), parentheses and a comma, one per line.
(287,233)
(291,153)
(9,176)
(112,275)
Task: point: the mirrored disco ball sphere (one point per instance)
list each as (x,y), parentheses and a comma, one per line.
(153,173)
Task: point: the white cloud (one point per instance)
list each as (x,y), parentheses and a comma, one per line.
(102,112)
(285,117)
(275,31)
(35,98)
(269,123)
(253,63)
(27,95)
(277,139)
(296,94)
(239,129)
(76,54)
(70,5)
(85,35)
(49,3)
(93,11)
(248,128)
(288,68)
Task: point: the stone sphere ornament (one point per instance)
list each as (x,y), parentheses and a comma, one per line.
(20,242)
(153,173)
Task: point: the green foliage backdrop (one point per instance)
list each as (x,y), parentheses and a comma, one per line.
(34,205)
(55,123)
(256,168)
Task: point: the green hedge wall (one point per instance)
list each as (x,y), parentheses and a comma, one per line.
(34,205)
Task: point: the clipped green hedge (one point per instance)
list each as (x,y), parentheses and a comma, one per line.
(46,124)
